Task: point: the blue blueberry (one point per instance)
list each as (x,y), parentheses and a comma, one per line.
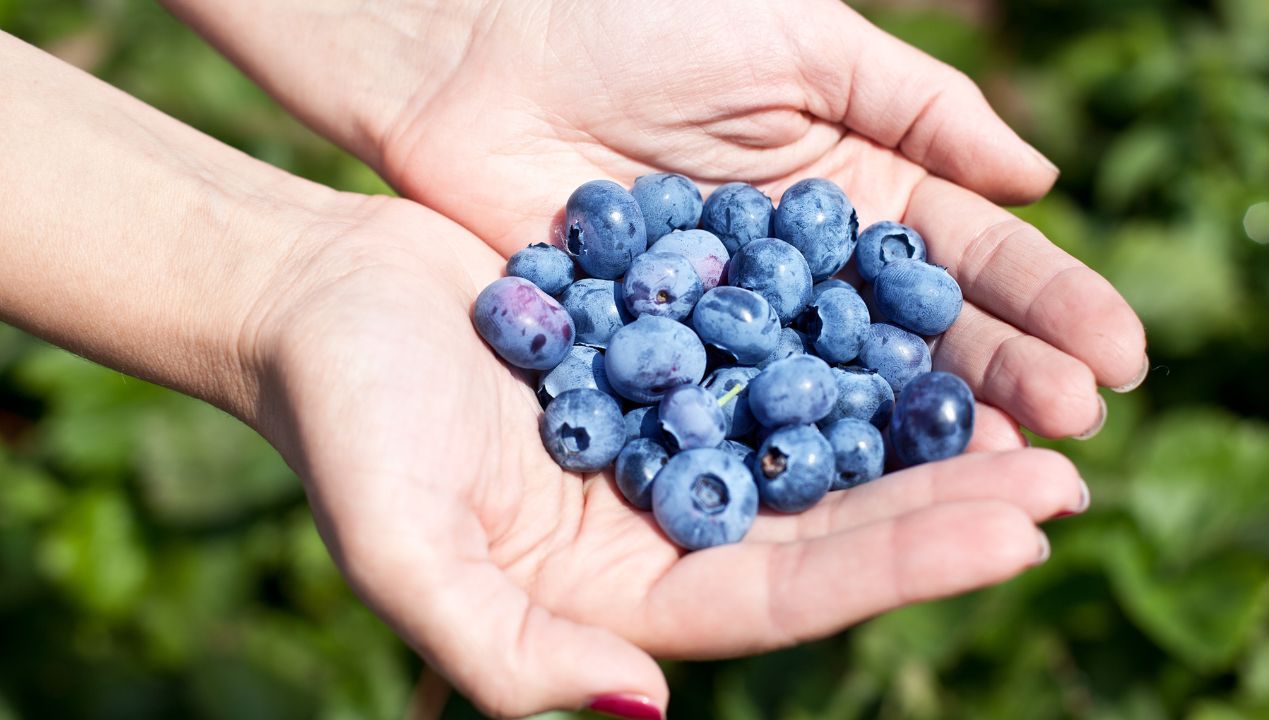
(790,343)
(637,466)
(702,248)
(775,270)
(668,202)
(704,497)
(662,284)
(738,214)
(583,367)
(644,422)
(651,355)
(524,325)
(793,468)
(895,354)
(739,450)
(738,322)
(691,418)
(816,217)
(583,430)
(605,228)
(821,287)
(933,419)
(736,412)
(859,455)
(883,243)
(546,266)
(861,394)
(598,309)
(794,391)
(920,297)
(836,324)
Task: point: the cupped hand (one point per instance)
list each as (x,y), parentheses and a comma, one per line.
(531,588)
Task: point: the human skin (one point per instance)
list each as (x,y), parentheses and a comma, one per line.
(334,323)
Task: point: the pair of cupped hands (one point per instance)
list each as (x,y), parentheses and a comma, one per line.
(529,588)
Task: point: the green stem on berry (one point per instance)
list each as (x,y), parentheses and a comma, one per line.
(732,393)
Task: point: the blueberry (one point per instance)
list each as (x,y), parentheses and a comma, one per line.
(739,450)
(605,228)
(637,466)
(651,355)
(775,270)
(721,382)
(861,394)
(738,214)
(738,322)
(702,248)
(819,288)
(524,325)
(883,243)
(793,468)
(790,343)
(858,452)
(691,418)
(668,202)
(794,391)
(816,217)
(704,497)
(836,324)
(895,354)
(583,367)
(546,266)
(662,284)
(920,297)
(583,430)
(598,309)
(933,419)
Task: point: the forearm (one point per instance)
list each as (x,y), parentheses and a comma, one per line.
(130,238)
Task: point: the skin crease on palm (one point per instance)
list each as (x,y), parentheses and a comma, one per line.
(555,591)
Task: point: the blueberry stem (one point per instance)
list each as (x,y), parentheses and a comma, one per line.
(732,393)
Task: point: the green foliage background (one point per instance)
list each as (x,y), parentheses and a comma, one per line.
(157,559)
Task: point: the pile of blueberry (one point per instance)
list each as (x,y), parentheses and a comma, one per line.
(727,337)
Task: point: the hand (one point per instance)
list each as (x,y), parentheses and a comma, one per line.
(491,112)
(531,588)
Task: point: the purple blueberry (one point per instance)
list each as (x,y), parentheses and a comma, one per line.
(794,391)
(702,248)
(775,270)
(524,325)
(933,419)
(651,355)
(546,266)
(691,418)
(836,324)
(598,309)
(790,343)
(720,383)
(668,202)
(583,367)
(704,497)
(859,455)
(793,468)
(583,430)
(883,243)
(605,228)
(737,322)
(662,284)
(816,217)
(861,394)
(739,450)
(644,422)
(738,213)
(821,287)
(637,466)
(895,354)
(920,297)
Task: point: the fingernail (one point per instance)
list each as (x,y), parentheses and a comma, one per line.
(634,707)
(1097,426)
(1135,382)
(1045,160)
(1042,556)
(1080,505)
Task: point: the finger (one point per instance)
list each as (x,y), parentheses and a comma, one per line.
(1042,387)
(1010,270)
(755,596)
(1043,483)
(902,98)
(994,431)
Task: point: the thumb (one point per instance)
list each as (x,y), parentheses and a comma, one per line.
(900,97)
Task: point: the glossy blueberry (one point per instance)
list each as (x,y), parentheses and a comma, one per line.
(668,202)
(793,468)
(704,497)
(883,243)
(662,284)
(637,466)
(546,266)
(605,229)
(721,382)
(598,309)
(651,355)
(836,324)
(775,270)
(644,422)
(816,217)
(859,455)
(830,284)
(861,394)
(738,213)
(740,450)
(794,391)
(583,430)
(790,343)
(933,419)
(701,248)
(738,322)
(524,325)
(920,297)
(583,367)
(895,354)
(691,418)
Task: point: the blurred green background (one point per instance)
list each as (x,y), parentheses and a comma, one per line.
(157,559)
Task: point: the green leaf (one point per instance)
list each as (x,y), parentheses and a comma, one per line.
(94,554)
(1136,162)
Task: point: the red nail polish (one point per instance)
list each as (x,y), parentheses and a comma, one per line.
(634,707)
